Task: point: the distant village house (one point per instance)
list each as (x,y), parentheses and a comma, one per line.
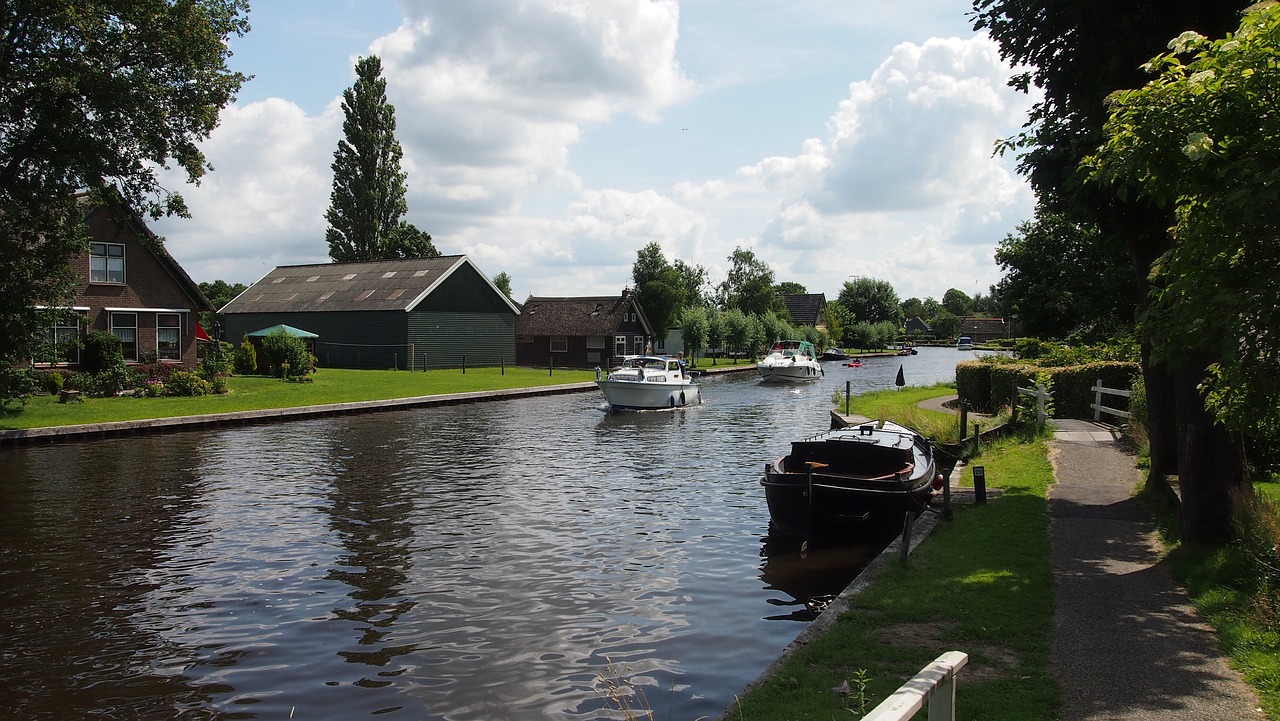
(581,332)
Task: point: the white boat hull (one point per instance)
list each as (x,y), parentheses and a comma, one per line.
(788,372)
(641,395)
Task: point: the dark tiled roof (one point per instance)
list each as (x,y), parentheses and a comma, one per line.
(589,316)
(369,286)
(805,309)
(970,324)
(918,322)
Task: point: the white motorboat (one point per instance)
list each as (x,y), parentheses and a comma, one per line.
(650,382)
(790,361)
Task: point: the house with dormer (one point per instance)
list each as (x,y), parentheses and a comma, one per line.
(131,287)
(582,332)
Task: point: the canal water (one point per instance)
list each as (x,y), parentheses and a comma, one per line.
(503,560)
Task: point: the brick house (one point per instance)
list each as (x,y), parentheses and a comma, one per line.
(131,287)
(581,332)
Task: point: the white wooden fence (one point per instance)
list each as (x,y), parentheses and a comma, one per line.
(1099,409)
(935,684)
(1041,395)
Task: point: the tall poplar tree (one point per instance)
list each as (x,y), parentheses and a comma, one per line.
(367,204)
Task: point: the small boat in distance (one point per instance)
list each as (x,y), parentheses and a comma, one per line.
(831,354)
(649,383)
(964,343)
(850,481)
(790,361)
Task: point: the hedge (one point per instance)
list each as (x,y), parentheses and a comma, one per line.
(987,387)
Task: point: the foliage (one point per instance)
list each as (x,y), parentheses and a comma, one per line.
(245,360)
(502,282)
(1202,137)
(53,383)
(737,330)
(219,293)
(749,285)
(212,364)
(871,336)
(110,381)
(367,202)
(987,384)
(287,355)
(185,383)
(1060,276)
(657,286)
(17,385)
(695,330)
(97,97)
(871,300)
(957,302)
(839,321)
(102,351)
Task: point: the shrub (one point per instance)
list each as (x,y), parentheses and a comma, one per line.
(288,355)
(186,383)
(102,351)
(246,358)
(53,383)
(18,385)
(220,363)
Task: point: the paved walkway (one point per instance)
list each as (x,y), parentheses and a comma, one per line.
(1127,644)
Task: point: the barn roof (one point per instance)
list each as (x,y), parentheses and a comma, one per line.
(378,285)
(584,316)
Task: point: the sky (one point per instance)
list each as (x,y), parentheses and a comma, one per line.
(553,139)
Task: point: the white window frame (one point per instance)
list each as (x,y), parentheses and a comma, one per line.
(638,344)
(619,345)
(128,335)
(57,334)
(559,344)
(106,266)
(175,330)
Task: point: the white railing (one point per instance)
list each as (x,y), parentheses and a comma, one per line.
(1099,409)
(1041,396)
(935,684)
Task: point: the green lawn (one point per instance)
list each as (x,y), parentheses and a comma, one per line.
(331,385)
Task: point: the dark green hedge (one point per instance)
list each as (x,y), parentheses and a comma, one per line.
(987,387)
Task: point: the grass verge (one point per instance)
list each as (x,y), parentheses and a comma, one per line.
(981,583)
(1237,587)
(246,393)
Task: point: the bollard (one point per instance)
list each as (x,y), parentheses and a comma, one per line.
(980,485)
(503,363)
(964,419)
(464,364)
(977,438)
(551,364)
(947,513)
(846,397)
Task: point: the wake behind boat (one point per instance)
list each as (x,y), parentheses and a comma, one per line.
(648,383)
(850,480)
(790,361)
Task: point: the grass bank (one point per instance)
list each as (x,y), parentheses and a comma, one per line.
(981,583)
(247,393)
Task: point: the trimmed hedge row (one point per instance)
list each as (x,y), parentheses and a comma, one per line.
(988,387)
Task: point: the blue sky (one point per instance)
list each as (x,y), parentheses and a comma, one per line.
(552,139)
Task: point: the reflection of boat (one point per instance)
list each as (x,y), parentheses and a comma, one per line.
(790,361)
(831,354)
(648,382)
(810,578)
(850,481)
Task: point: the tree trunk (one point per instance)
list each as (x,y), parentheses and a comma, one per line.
(1211,463)
(1162,435)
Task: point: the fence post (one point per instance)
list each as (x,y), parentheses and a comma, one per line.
(847,388)
(464,364)
(1041,394)
(964,419)
(1097,401)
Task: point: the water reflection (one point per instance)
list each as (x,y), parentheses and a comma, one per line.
(473,562)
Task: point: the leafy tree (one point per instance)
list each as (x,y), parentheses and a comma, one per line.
(219,293)
(97,97)
(871,300)
(503,283)
(749,285)
(658,287)
(1078,54)
(839,320)
(790,287)
(1202,138)
(1045,265)
(715,329)
(944,324)
(695,327)
(912,308)
(957,302)
(367,203)
(737,330)
(693,284)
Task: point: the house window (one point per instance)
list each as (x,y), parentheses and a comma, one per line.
(595,342)
(168,337)
(106,263)
(125,327)
(559,344)
(62,342)
(638,343)
(619,345)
